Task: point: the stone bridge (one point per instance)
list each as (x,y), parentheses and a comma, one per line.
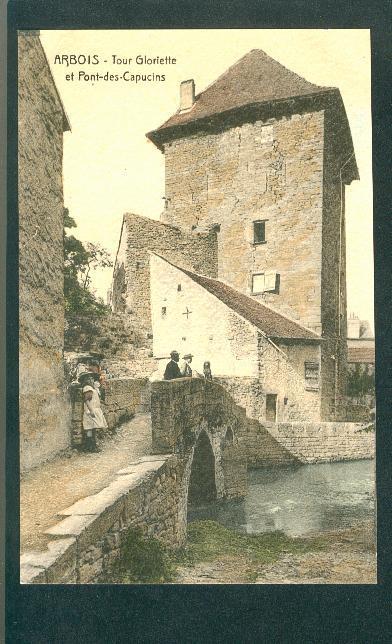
(201,442)
(197,457)
(197,421)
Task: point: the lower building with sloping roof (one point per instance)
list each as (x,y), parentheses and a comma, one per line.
(269,363)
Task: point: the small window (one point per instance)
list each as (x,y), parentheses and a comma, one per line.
(179,287)
(265,282)
(163,311)
(312,375)
(259,232)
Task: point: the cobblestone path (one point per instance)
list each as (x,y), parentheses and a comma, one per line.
(57,484)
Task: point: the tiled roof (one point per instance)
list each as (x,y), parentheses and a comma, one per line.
(271,323)
(361,354)
(255,78)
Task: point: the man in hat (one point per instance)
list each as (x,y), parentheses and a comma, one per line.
(185,368)
(93,417)
(172,370)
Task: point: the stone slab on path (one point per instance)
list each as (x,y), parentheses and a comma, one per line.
(46,491)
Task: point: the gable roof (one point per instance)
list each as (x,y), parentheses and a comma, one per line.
(256,78)
(273,324)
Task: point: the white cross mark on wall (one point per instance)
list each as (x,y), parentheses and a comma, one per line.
(187,313)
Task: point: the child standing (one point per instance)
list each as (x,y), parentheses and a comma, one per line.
(93,417)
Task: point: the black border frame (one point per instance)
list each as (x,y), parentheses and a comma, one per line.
(212,613)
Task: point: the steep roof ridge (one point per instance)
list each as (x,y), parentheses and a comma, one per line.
(254,302)
(237,62)
(249,53)
(258,59)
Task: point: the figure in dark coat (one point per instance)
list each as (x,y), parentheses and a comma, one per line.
(172,370)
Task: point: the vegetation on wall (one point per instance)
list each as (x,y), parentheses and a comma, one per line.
(143,560)
(147,560)
(360,382)
(83,310)
(90,324)
(79,260)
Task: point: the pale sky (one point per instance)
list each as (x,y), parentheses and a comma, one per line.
(111,168)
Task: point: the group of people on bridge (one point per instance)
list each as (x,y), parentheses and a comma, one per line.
(184,369)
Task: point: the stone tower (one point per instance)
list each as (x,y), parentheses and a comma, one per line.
(263,156)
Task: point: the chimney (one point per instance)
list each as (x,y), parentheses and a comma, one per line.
(187,94)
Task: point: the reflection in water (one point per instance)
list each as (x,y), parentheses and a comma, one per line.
(300,499)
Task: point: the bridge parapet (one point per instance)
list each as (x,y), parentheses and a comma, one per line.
(197,420)
(179,407)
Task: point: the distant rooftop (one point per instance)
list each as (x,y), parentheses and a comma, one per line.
(361,354)
(273,324)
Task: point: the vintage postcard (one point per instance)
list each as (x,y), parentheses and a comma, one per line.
(197,400)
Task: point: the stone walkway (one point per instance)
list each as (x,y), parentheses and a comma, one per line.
(71,476)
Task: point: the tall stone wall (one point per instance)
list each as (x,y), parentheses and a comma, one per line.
(266,170)
(131,277)
(337,170)
(44,407)
(284,166)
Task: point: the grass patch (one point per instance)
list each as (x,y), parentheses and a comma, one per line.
(146,560)
(143,560)
(209,541)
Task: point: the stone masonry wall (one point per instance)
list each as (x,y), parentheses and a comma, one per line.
(323,442)
(181,410)
(86,542)
(151,493)
(282,376)
(262,449)
(265,170)
(44,408)
(124,397)
(284,169)
(274,444)
(333,277)
(131,277)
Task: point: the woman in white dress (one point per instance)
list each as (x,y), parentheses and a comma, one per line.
(93,417)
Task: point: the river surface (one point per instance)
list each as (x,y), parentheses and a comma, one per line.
(300,500)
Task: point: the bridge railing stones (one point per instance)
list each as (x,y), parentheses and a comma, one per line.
(181,409)
(179,406)
(86,541)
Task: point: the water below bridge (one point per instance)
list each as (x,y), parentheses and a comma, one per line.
(300,500)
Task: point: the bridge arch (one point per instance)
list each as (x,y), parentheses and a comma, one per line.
(228,438)
(202,483)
